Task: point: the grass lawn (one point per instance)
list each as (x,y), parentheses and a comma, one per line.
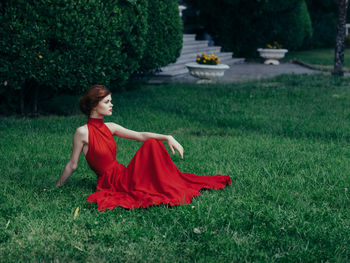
(284,141)
(322,59)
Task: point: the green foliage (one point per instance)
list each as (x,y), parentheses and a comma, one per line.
(164,37)
(295,26)
(65,45)
(323,15)
(71,44)
(244,25)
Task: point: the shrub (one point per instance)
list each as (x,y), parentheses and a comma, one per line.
(242,26)
(164,37)
(324,22)
(69,45)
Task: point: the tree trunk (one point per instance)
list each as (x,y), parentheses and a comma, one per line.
(22,101)
(339,41)
(35,102)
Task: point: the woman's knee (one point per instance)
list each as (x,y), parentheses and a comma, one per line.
(150,141)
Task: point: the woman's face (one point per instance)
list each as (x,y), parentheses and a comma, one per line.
(104,107)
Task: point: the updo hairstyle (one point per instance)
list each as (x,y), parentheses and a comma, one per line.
(92,97)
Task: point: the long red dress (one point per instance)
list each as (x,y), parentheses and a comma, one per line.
(151,178)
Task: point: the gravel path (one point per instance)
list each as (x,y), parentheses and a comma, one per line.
(246,71)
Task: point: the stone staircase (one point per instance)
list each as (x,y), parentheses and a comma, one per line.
(190,49)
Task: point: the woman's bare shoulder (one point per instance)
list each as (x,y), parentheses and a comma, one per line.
(113,127)
(111,124)
(82,131)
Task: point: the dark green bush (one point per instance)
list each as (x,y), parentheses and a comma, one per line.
(324,22)
(164,37)
(242,26)
(69,45)
(295,26)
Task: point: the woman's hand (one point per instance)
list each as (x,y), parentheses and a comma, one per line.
(173,144)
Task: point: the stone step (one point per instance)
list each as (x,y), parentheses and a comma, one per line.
(193,42)
(186,37)
(199,44)
(173,73)
(196,51)
(235,61)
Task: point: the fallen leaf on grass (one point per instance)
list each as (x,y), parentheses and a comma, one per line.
(346,191)
(76,213)
(196,230)
(79,248)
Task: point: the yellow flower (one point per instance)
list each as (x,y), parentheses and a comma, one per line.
(204,61)
(218,61)
(40,56)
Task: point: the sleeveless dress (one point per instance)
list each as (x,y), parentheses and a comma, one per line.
(151,178)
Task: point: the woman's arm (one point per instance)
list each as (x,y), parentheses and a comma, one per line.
(71,166)
(143,136)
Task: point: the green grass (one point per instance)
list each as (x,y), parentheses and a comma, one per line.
(322,59)
(284,141)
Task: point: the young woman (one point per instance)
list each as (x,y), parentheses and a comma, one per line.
(151,177)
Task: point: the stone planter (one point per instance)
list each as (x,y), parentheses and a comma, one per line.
(272,55)
(206,73)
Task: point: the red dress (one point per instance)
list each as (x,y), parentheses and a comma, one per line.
(151,178)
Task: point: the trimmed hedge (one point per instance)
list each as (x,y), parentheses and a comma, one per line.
(242,26)
(66,46)
(71,44)
(164,38)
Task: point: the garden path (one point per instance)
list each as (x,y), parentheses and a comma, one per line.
(244,72)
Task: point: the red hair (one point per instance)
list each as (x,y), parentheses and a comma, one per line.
(92,97)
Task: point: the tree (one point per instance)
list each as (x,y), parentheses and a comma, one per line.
(339,41)
(242,26)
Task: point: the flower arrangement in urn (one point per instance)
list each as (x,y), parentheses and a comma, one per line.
(272,53)
(274,45)
(207,60)
(206,68)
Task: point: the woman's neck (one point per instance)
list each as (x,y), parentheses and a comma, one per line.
(95,116)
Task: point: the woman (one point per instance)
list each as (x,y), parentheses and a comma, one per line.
(151,177)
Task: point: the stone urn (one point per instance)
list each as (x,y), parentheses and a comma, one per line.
(206,73)
(272,55)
